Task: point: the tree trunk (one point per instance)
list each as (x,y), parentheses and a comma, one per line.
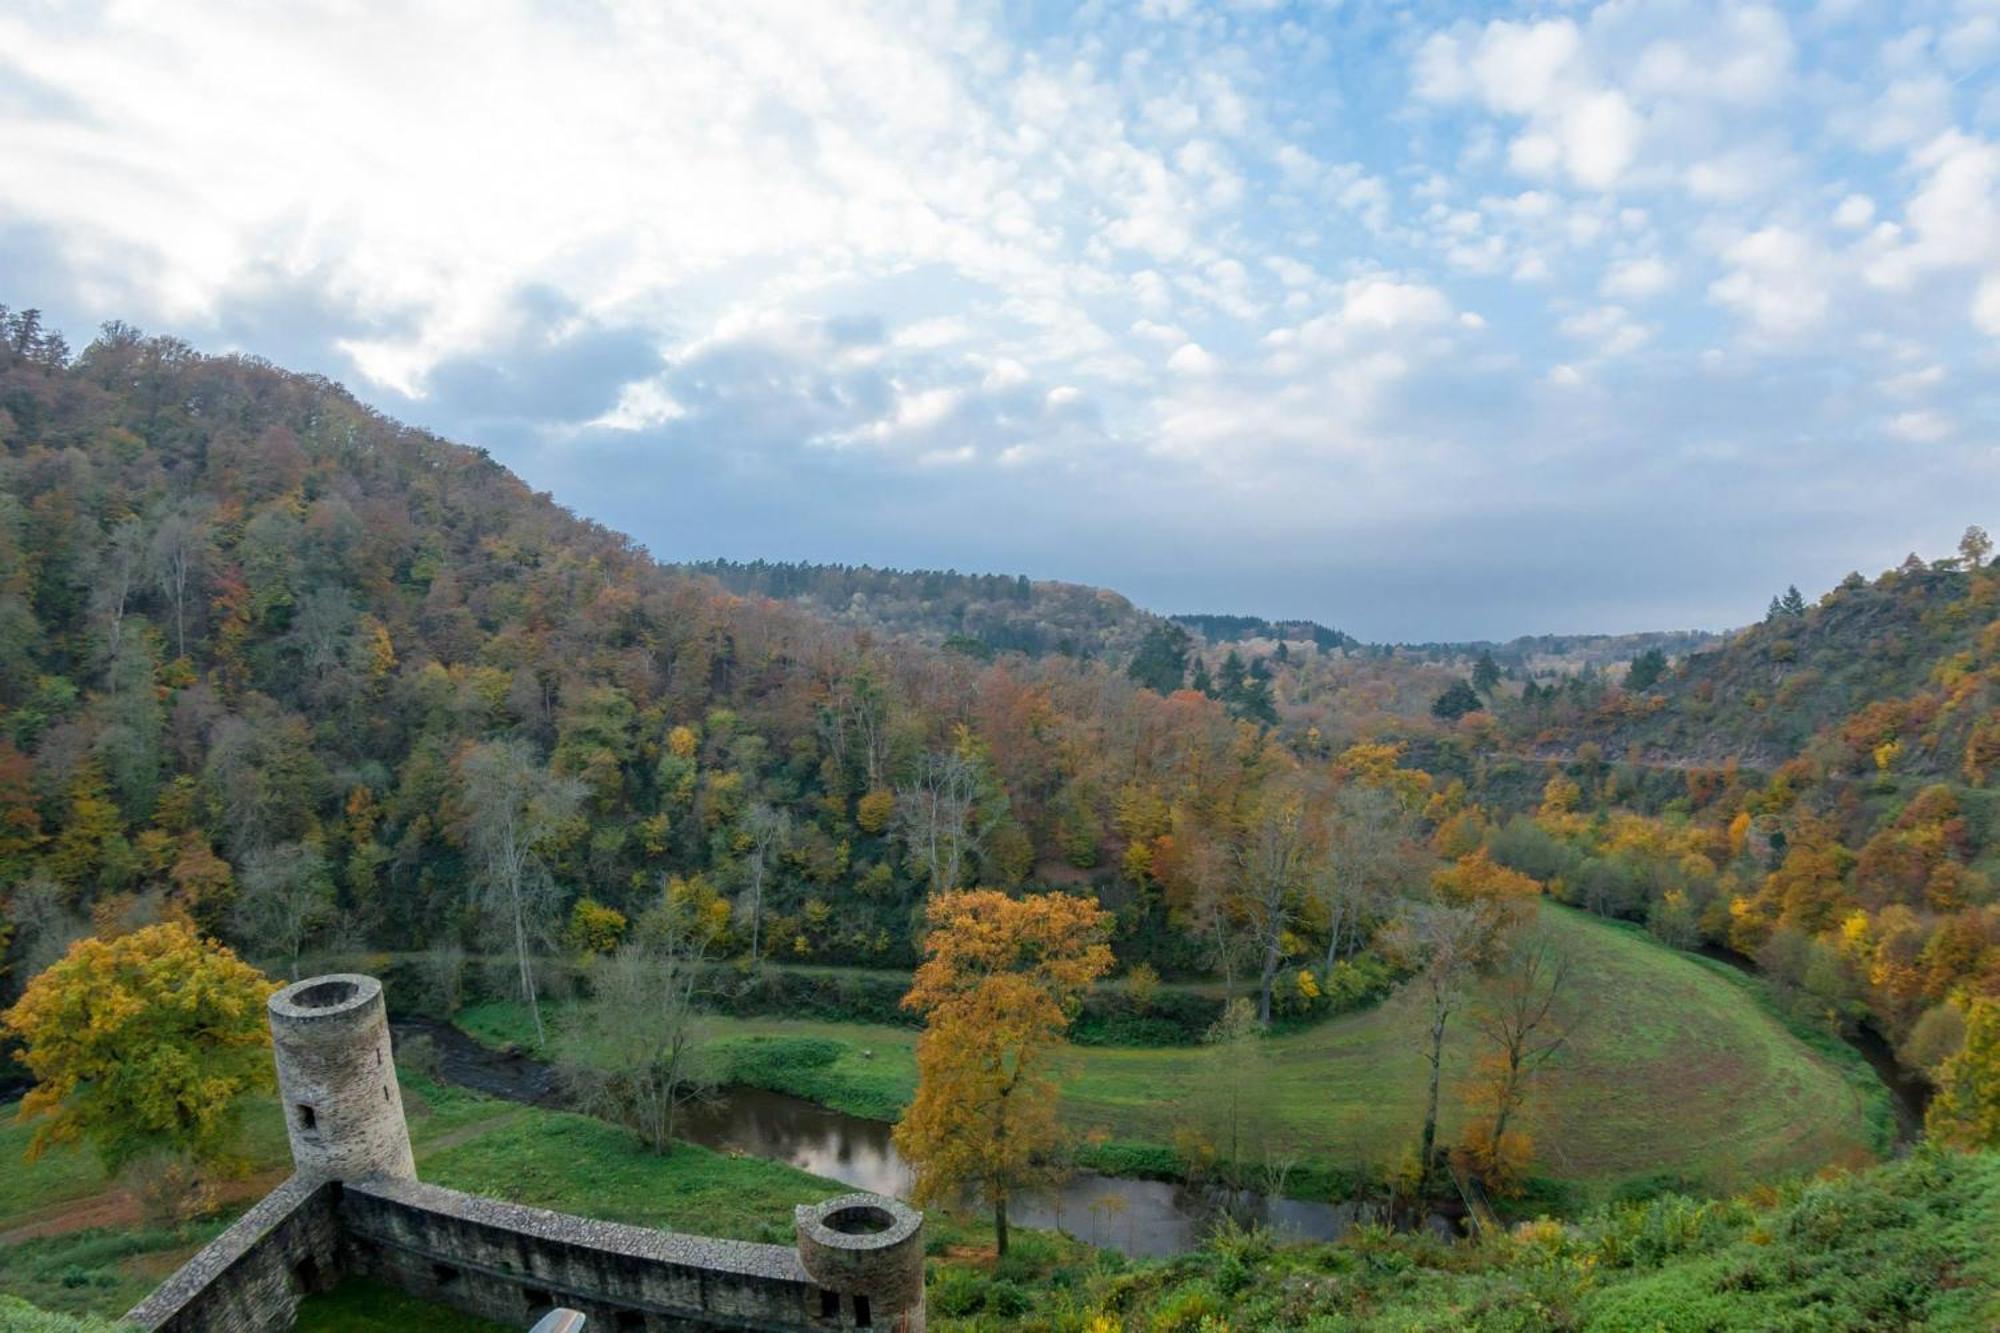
(1270,976)
(1000,1225)
(1431,1107)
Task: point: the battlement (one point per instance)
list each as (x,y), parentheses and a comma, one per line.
(355,1205)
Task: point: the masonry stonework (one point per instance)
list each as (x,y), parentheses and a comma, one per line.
(354,1205)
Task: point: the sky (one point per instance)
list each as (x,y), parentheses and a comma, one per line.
(1426,321)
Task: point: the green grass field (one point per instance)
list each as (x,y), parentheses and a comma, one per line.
(1677,1068)
(462,1140)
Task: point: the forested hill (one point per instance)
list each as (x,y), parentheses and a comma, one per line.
(271,659)
(977,614)
(1900,673)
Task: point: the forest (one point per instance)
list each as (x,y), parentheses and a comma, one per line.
(278,671)
(272,661)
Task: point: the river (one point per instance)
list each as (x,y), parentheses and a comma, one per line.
(1139,1218)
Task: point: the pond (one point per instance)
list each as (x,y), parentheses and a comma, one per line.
(1139,1218)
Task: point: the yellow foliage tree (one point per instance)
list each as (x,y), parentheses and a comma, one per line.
(144,1042)
(1966,1110)
(1000,981)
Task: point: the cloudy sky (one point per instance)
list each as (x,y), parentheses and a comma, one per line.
(1421,320)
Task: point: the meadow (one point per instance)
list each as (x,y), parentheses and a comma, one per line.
(1677,1072)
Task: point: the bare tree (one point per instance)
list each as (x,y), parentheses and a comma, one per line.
(283,895)
(180,542)
(1518,1016)
(770,834)
(1274,857)
(1225,932)
(936,817)
(1445,945)
(119,569)
(514,808)
(636,1052)
(1367,858)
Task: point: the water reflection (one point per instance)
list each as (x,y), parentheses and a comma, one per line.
(1141,1218)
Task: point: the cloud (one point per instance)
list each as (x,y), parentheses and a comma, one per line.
(1637,279)
(1778,280)
(1289,283)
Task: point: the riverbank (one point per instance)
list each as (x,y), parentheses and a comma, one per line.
(1677,1073)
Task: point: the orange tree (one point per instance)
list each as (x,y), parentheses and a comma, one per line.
(143,1042)
(1001,979)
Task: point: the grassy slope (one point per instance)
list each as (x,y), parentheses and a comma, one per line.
(1676,1069)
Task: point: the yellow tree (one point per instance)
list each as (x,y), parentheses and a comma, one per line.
(1966,1110)
(1001,979)
(143,1042)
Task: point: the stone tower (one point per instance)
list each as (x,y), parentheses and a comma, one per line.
(866,1252)
(343,1110)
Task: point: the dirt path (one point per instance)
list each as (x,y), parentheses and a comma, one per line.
(119,1208)
(466,1133)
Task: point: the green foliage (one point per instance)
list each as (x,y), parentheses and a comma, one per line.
(1457,701)
(361,1305)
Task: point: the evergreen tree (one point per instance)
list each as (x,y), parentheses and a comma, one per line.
(1456,702)
(1229,680)
(1202,682)
(1485,674)
(1161,661)
(1794,604)
(1647,668)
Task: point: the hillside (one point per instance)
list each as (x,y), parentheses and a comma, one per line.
(1902,660)
(259,647)
(976,614)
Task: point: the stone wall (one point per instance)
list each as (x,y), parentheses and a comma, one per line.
(252,1276)
(355,1206)
(513,1264)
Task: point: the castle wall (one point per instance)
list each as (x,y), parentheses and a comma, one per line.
(252,1276)
(355,1206)
(513,1264)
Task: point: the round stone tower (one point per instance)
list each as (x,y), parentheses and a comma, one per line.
(343,1110)
(866,1252)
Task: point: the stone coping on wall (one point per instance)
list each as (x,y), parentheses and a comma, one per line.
(776,1263)
(343,992)
(821,1221)
(193,1278)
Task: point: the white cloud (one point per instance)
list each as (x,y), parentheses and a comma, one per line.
(1191,359)
(1921,427)
(1610,328)
(1637,279)
(1913,383)
(1779,280)
(1855,212)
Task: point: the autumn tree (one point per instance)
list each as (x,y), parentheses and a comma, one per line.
(1974,548)
(1966,1110)
(1444,946)
(1368,857)
(1000,982)
(1517,1015)
(143,1043)
(1275,857)
(514,811)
